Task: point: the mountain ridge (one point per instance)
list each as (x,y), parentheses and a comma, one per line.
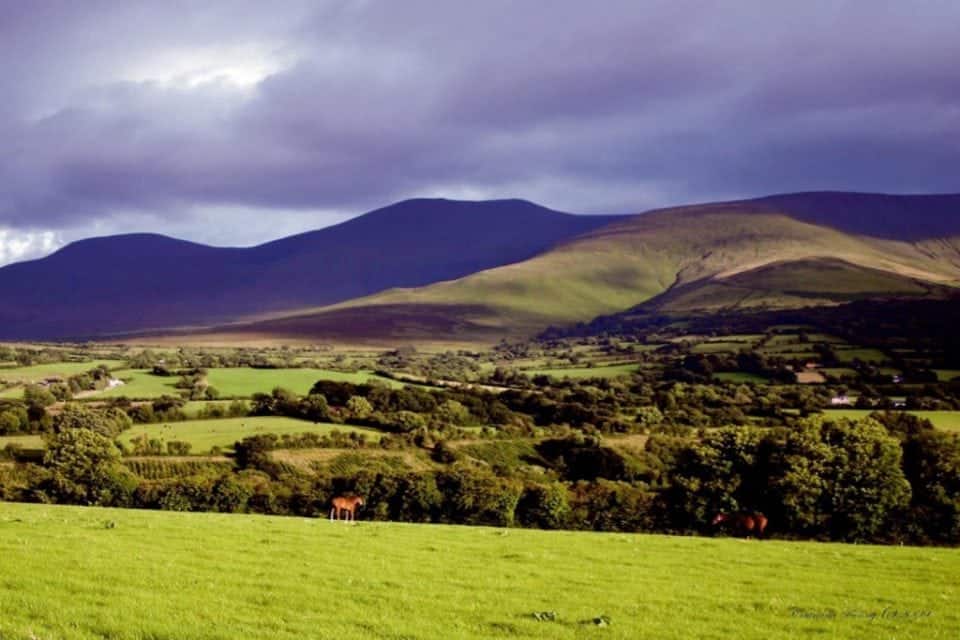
(137,282)
(910,217)
(638,258)
(488,268)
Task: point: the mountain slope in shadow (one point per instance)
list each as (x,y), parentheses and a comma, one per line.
(143,281)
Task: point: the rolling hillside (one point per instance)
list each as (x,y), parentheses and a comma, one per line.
(703,257)
(135,282)
(893,217)
(800,283)
(482,271)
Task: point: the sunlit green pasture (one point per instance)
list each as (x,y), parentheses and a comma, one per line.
(839,372)
(12,392)
(204,434)
(782,340)
(720,347)
(578,373)
(864,355)
(791,351)
(739,376)
(244,382)
(141,384)
(29,441)
(82,573)
(944,420)
(238,382)
(39,372)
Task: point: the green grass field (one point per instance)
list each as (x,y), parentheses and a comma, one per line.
(739,376)
(578,373)
(204,434)
(61,369)
(11,392)
(246,382)
(944,420)
(239,382)
(141,384)
(27,441)
(720,347)
(839,372)
(82,573)
(865,355)
(790,351)
(783,340)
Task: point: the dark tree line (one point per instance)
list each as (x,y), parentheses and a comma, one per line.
(889,478)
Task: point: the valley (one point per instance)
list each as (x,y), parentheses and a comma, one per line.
(617,388)
(441,320)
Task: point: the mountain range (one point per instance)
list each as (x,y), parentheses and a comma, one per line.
(481,271)
(134,283)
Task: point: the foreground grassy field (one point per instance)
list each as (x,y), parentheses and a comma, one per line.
(83,573)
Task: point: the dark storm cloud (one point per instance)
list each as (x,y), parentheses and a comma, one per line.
(173,111)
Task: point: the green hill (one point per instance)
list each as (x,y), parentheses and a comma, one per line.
(701,256)
(819,281)
(83,573)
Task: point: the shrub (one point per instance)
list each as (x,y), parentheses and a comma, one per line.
(545,506)
(178,448)
(85,469)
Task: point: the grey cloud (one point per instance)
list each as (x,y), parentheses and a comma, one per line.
(376,101)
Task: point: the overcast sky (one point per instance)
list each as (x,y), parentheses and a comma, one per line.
(234,123)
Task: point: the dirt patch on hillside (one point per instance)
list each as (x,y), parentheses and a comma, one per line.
(634,443)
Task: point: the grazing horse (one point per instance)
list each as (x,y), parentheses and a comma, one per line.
(346,504)
(743,523)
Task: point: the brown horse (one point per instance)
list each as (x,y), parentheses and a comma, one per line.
(743,523)
(346,504)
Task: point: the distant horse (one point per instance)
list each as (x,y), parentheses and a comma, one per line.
(743,523)
(346,504)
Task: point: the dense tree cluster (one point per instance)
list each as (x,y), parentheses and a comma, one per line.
(494,445)
(887,478)
(175,361)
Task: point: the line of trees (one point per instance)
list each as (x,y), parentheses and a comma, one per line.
(888,478)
